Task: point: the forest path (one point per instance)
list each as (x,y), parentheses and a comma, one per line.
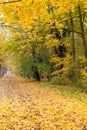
(25,106)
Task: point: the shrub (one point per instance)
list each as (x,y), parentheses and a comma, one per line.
(57,80)
(80,83)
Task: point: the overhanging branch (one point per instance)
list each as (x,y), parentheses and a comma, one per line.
(10,2)
(74,31)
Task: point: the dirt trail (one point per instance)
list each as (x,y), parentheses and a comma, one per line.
(11,86)
(25,106)
(8,84)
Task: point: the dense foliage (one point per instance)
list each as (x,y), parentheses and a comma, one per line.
(46,38)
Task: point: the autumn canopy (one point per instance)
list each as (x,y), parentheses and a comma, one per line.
(45,38)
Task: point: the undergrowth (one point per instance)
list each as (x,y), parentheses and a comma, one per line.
(69,91)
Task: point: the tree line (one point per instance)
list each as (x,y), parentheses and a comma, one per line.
(48,39)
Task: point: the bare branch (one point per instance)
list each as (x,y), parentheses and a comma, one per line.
(10,2)
(73,31)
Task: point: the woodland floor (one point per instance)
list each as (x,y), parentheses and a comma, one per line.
(25,106)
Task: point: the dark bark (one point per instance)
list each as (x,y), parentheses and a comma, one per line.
(33,51)
(82,31)
(36,75)
(62,51)
(73,37)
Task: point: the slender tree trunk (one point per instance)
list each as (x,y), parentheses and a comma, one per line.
(73,37)
(33,50)
(82,31)
(68,31)
(36,73)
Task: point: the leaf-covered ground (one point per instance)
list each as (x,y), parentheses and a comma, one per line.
(25,106)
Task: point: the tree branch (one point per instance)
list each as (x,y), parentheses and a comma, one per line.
(10,2)
(63,29)
(73,31)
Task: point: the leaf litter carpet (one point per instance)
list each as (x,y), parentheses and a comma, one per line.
(25,106)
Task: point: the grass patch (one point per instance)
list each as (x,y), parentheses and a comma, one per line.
(69,91)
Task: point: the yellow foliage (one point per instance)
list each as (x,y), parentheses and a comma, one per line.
(59,62)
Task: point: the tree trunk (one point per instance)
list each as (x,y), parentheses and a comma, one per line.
(73,37)
(82,31)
